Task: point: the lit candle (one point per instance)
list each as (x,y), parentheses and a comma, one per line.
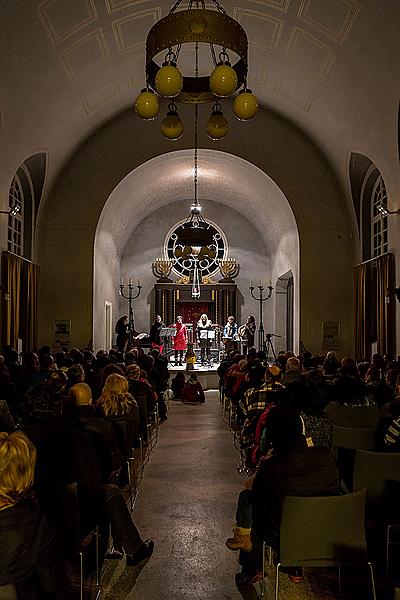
(121,281)
(251,283)
(130,280)
(260,283)
(138,282)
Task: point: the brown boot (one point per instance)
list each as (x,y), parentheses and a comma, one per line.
(241,539)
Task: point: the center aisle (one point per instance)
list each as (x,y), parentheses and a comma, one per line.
(187,503)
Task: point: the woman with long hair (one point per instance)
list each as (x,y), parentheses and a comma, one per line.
(29,559)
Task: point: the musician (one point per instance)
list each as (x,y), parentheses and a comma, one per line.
(204,326)
(179,340)
(155,331)
(230,335)
(247,333)
(122,331)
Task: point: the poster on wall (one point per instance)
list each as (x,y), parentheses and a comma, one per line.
(330,335)
(62,335)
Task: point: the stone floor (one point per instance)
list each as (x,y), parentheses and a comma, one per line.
(186,503)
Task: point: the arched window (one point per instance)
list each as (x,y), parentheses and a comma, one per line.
(15,236)
(379,220)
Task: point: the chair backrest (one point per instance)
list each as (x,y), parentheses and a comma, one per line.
(353,416)
(353,437)
(372,470)
(323,530)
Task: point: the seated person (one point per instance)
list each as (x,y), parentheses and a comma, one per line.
(177,385)
(291,469)
(29,561)
(193,390)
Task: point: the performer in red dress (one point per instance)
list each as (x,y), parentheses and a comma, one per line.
(179,340)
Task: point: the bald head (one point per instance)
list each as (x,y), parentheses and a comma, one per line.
(80,394)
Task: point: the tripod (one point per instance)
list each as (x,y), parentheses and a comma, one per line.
(269,346)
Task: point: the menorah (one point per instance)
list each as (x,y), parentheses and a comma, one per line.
(161,268)
(229,269)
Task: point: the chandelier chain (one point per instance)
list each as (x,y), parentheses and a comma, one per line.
(195,153)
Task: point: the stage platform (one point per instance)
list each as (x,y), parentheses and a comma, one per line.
(206,375)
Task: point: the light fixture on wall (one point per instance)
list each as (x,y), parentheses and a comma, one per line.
(13,210)
(383,209)
(396,292)
(189,28)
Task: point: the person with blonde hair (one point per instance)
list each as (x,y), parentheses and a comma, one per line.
(115,399)
(118,405)
(28,555)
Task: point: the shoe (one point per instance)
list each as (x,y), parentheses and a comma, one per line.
(242,579)
(241,539)
(114,554)
(144,552)
(296,575)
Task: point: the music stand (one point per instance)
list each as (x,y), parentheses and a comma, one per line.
(269,345)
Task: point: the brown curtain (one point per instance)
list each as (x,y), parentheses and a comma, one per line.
(384,310)
(13,266)
(31,307)
(360,277)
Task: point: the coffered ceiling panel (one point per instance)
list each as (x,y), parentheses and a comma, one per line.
(85,54)
(335,19)
(281,5)
(308,54)
(61,19)
(296,89)
(114,5)
(266,28)
(131,30)
(96,90)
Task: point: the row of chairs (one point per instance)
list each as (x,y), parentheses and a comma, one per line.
(135,464)
(330,531)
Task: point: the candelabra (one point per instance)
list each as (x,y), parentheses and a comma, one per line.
(229,269)
(162,268)
(261,299)
(130,297)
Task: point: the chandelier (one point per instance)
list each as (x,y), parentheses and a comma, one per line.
(194,26)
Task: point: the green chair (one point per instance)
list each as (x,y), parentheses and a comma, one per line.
(375,471)
(323,531)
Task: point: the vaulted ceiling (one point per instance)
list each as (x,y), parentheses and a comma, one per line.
(329,66)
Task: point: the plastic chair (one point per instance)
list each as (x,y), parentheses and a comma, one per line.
(353,416)
(353,437)
(323,531)
(374,471)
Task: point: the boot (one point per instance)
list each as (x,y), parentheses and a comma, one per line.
(241,539)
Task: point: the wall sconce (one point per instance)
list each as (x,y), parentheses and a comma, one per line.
(13,210)
(397,294)
(383,209)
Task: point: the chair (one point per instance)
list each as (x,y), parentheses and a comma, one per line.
(353,437)
(374,471)
(353,416)
(323,531)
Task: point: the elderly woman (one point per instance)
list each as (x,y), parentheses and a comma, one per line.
(28,554)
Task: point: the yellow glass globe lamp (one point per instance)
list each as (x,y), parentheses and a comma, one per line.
(217,125)
(169,81)
(146,105)
(245,105)
(223,80)
(172,126)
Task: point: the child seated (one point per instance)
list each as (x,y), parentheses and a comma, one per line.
(193,390)
(177,385)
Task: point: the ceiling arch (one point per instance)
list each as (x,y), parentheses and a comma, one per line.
(223,178)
